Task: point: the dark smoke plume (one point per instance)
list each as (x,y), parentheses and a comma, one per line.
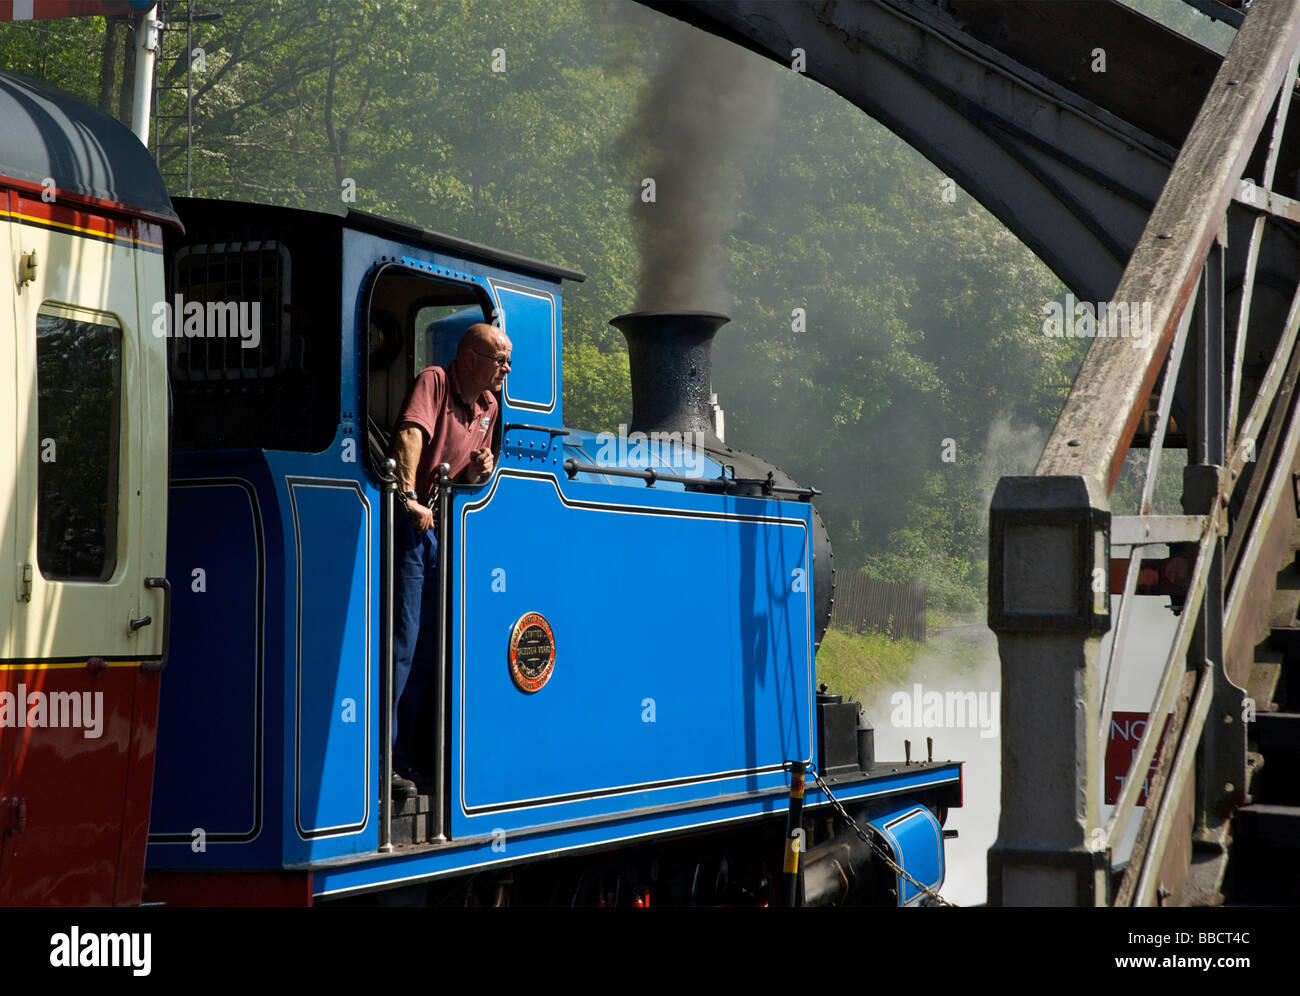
(700,122)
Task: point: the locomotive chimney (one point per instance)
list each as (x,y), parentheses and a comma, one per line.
(670,356)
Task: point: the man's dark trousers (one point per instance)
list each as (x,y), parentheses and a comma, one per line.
(415,632)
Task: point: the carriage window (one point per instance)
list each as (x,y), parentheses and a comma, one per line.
(79,403)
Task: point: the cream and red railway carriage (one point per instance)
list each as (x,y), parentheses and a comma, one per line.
(83,496)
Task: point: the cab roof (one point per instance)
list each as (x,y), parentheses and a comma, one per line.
(378,224)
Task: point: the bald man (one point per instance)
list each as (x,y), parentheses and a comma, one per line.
(449,417)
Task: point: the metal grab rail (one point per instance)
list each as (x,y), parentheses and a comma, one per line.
(550,430)
(725,485)
(441,761)
(388,475)
(166,587)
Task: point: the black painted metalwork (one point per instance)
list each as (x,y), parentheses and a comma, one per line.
(671,363)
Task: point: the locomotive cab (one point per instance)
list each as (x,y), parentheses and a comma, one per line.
(283,418)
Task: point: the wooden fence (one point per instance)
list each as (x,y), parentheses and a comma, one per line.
(894,608)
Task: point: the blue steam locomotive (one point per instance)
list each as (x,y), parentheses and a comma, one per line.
(628,622)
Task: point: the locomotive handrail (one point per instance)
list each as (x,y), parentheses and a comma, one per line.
(440,801)
(528,427)
(388,475)
(722,484)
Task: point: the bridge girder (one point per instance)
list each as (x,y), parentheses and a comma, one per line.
(1002,97)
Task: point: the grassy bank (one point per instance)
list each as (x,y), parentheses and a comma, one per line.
(864,664)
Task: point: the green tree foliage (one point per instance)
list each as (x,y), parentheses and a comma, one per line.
(296,96)
(923,315)
(64,52)
(924,325)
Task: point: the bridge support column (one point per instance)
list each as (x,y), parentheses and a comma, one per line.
(1049,602)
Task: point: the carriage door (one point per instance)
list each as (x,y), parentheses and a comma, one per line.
(79,463)
(74,657)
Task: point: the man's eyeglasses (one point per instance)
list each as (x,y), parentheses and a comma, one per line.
(501,361)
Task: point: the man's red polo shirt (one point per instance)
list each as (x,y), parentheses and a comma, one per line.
(452,428)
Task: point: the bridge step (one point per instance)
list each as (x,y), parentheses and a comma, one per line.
(1278,826)
(1276,735)
(1277,731)
(1286,639)
(1265,862)
(1264,857)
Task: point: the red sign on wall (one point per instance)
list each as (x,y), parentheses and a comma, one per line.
(1126,730)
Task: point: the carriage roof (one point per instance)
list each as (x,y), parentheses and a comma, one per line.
(92,158)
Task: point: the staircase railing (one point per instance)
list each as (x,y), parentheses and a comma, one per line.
(1051,533)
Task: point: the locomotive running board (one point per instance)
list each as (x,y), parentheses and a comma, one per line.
(414,864)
